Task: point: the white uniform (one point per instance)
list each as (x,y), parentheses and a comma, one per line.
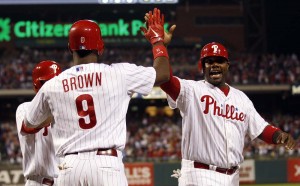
(39,160)
(213,130)
(89,103)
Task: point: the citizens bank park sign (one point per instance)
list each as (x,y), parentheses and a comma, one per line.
(32,29)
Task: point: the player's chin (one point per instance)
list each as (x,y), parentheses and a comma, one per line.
(215,81)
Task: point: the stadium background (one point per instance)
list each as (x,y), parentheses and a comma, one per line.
(263,40)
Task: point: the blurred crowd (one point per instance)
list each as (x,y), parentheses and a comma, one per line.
(16,64)
(156,136)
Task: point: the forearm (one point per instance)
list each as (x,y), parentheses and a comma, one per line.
(30,126)
(161,63)
(172,87)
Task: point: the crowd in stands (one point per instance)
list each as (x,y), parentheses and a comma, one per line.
(156,136)
(245,69)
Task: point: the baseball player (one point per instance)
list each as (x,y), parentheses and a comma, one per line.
(89,102)
(215,119)
(39,162)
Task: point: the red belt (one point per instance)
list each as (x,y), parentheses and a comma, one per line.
(106,152)
(218,169)
(47,181)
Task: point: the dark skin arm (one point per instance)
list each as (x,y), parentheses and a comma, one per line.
(161,66)
(155,23)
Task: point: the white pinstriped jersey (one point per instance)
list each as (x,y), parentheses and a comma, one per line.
(37,149)
(214,125)
(89,103)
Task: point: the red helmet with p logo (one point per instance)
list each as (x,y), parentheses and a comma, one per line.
(85,35)
(213,49)
(44,71)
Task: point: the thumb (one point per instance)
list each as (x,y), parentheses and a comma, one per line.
(172,29)
(143,29)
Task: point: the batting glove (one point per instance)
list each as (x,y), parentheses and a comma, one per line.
(154,31)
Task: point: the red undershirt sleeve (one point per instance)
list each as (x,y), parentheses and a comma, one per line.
(172,87)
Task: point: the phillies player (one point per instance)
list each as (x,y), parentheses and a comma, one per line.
(39,162)
(89,102)
(216,118)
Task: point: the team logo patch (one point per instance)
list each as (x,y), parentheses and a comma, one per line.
(79,69)
(82,47)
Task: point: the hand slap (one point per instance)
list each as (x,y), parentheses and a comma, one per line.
(154,30)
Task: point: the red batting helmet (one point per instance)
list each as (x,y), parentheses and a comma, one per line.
(44,71)
(85,35)
(213,49)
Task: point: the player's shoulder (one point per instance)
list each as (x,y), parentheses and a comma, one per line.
(193,82)
(23,105)
(20,111)
(238,91)
(123,64)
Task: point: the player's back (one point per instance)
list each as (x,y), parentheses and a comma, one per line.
(89,103)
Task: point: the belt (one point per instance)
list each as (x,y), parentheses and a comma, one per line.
(105,152)
(217,169)
(45,181)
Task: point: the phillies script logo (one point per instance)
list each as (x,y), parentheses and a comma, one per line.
(230,112)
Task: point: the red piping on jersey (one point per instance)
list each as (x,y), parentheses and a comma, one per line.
(267,134)
(172,87)
(225,90)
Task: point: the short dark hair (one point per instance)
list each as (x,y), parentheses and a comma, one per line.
(84,53)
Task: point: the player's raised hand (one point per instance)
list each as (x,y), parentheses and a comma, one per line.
(167,34)
(154,31)
(286,139)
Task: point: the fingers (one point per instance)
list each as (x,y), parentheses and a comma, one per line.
(150,18)
(287,140)
(290,143)
(146,17)
(162,22)
(172,29)
(155,17)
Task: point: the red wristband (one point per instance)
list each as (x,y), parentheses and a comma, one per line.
(267,134)
(159,51)
(27,130)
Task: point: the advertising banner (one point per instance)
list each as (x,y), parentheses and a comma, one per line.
(293,170)
(247,172)
(139,174)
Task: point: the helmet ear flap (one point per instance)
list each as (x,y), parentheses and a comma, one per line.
(100,47)
(200,66)
(37,85)
(70,48)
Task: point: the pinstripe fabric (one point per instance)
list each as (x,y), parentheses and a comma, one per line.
(91,169)
(37,150)
(89,104)
(214,125)
(202,177)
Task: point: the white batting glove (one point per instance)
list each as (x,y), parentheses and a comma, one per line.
(176,173)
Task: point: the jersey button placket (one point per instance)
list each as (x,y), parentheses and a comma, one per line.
(227,131)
